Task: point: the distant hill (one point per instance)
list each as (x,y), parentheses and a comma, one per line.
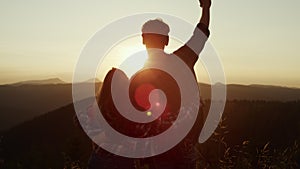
(25,100)
(21,103)
(93,80)
(47,141)
(255,92)
(40,82)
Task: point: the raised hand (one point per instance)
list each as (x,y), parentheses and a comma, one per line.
(205,3)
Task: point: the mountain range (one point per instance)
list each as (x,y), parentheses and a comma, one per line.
(25,100)
(38,131)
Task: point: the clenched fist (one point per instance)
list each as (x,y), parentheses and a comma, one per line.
(205,3)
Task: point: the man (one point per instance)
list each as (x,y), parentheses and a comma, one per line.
(155,38)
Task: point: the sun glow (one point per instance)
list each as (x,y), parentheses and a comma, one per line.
(120,56)
(130,55)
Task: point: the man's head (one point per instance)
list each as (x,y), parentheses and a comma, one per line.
(155,34)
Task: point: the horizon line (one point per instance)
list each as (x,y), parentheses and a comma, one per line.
(60,81)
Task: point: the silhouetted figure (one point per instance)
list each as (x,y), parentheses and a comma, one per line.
(100,158)
(155,36)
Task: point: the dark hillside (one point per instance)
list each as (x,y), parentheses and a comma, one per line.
(52,140)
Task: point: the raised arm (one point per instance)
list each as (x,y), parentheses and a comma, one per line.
(205,5)
(190,51)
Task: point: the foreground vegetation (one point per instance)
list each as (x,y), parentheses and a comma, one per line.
(252,134)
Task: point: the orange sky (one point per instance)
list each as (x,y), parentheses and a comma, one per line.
(256,40)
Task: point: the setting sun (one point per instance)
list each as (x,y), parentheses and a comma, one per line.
(129,55)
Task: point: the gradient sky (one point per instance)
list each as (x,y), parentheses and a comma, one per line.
(258,41)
